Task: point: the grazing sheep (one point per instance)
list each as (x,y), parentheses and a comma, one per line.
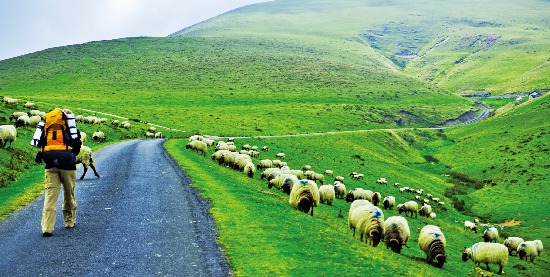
(441,203)
(85,158)
(353,208)
(264,164)
(470,225)
(265,148)
(408,207)
(22,121)
(433,215)
(488,253)
(304,196)
(376,197)
(249,170)
(538,242)
(8,133)
(339,189)
(382,181)
(425,210)
(396,184)
(98,136)
(396,233)
(198,146)
(358,193)
(339,178)
(329,172)
(368,219)
(280,156)
(16,115)
(432,241)
(389,202)
(29,105)
(527,249)
(283,181)
(306,167)
(158,135)
(512,244)
(490,235)
(476,221)
(149,135)
(327,194)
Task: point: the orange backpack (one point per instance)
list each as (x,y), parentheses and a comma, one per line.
(56,134)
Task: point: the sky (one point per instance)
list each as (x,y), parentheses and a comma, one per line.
(27,26)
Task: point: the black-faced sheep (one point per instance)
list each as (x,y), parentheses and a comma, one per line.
(408,207)
(382,181)
(490,235)
(198,146)
(512,244)
(249,169)
(368,219)
(425,210)
(432,241)
(470,225)
(98,136)
(8,133)
(304,196)
(396,233)
(85,158)
(376,197)
(527,249)
(339,189)
(389,202)
(487,253)
(327,194)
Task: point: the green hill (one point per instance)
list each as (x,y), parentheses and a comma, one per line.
(386,70)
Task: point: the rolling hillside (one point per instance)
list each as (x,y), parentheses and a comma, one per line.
(391,71)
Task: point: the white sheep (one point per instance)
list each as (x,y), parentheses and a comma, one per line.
(158,135)
(368,220)
(85,157)
(433,215)
(22,121)
(538,242)
(249,169)
(389,202)
(304,196)
(470,225)
(490,235)
(8,133)
(149,135)
(408,207)
(339,178)
(488,253)
(339,189)
(29,105)
(432,241)
(354,208)
(382,181)
(425,210)
(396,233)
(280,155)
(83,137)
(266,163)
(512,244)
(16,115)
(329,172)
(198,146)
(306,167)
(283,181)
(327,194)
(358,193)
(527,249)
(98,136)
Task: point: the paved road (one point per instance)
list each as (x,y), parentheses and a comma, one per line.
(139,219)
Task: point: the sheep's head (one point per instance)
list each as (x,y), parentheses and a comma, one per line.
(376,235)
(395,245)
(305,201)
(466,254)
(440,259)
(522,253)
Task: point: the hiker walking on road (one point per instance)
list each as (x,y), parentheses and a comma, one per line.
(60,143)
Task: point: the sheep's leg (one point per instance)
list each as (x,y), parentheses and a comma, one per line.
(311,210)
(500,270)
(487,264)
(84,173)
(95,172)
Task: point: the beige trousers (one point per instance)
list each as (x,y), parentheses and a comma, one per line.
(54,180)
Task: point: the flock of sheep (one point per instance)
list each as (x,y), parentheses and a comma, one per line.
(307,189)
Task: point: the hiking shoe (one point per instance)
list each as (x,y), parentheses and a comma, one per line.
(46,234)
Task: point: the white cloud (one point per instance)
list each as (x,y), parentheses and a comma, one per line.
(34,25)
